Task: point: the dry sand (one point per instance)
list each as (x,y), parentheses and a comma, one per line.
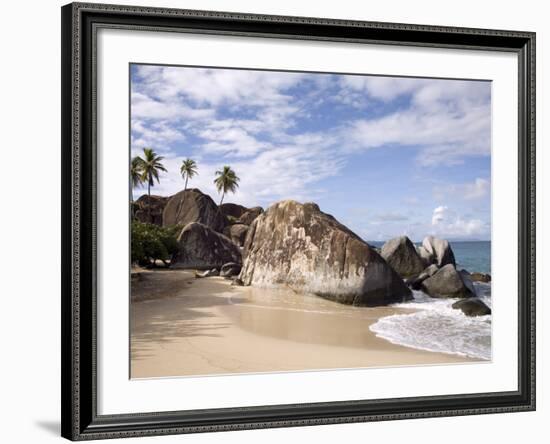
(183,326)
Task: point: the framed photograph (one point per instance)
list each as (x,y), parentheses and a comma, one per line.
(281,221)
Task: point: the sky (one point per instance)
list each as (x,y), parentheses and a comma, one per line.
(386,156)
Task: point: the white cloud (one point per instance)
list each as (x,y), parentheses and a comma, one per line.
(447,223)
(146,107)
(480,188)
(213,87)
(156,135)
(475,190)
(448,120)
(381,88)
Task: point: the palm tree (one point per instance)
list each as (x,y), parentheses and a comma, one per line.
(188,169)
(136,177)
(150,167)
(226,181)
(136,174)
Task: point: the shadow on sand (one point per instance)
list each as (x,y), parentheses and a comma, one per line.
(169,306)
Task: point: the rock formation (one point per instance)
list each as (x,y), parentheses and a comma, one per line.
(233,210)
(230,269)
(193,206)
(237,233)
(416,282)
(447,283)
(480,277)
(437,251)
(299,246)
(248,216)
(402,256)
(141,209)
(472,307)
(200,247)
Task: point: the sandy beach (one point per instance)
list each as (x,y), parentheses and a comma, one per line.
(183,326)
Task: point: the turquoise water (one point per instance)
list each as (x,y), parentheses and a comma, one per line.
(471,255)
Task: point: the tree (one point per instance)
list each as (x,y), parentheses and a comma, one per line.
(151,166)
(225,181)
(151,243)
(188,169)
(136,174)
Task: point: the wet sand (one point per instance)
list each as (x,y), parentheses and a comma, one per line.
(183,326)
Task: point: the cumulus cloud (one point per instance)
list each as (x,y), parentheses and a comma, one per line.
(448,224)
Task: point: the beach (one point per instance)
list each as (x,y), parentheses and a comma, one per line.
(184,326)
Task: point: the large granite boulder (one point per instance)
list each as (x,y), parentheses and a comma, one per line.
(300,247)
(427,257)
(447,283)
(415,282)
(233,210)
(237,233)
(402,256)
(248,216)
(472,307)
(438,251)
(193,206)
(202,248)
(142,213)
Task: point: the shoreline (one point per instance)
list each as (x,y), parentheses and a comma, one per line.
(183,326)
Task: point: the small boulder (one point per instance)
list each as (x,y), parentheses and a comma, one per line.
(447,283)
(472,307)
(480,277)
(202,248)
(440,250)
(248,217)
(207,273)
(230,269)
(401,255)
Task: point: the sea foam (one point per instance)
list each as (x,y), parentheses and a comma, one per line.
(437,327)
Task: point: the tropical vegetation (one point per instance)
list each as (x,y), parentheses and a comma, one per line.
(151,243)
(226,181)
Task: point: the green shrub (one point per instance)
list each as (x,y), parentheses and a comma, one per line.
(151,242)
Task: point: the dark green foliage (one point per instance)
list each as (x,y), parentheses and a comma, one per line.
(151,242)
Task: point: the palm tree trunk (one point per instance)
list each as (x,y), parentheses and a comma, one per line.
(132,202)
(221,201)
(149,201)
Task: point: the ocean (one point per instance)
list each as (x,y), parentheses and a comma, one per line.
(435,325)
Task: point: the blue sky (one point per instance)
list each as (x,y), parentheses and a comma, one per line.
(385,155)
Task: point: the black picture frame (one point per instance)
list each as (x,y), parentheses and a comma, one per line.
(80,420)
